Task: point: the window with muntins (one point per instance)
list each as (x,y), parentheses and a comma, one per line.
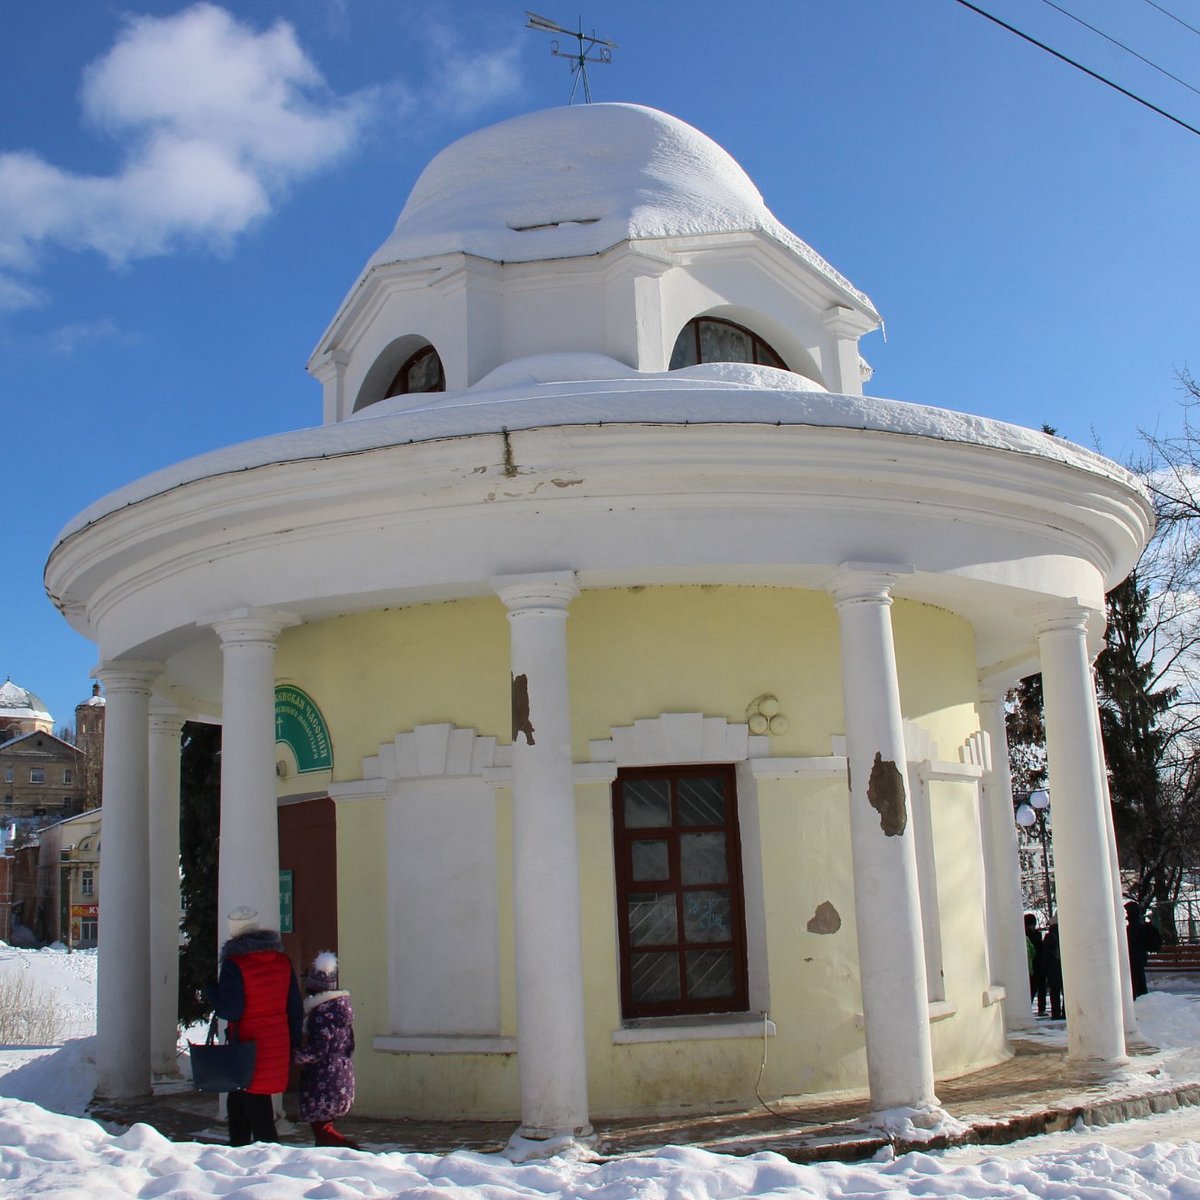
(37,774)
(421,372)
(710,339)
(680,909)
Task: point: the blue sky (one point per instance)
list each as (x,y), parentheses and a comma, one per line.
(187,192)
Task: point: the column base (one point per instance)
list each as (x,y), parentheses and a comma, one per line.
(531,1142)
(1096,1070)
(916,1122)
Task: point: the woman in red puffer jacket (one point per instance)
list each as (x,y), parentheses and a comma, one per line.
(258,995)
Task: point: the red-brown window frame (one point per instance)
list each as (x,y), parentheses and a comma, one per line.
(626,885)
(399,384)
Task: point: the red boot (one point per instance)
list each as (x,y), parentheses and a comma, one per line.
(324,1134)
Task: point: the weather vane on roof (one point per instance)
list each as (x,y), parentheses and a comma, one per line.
(579,58)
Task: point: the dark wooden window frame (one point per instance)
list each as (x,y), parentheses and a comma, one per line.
(399,385)
(765,355)
(625,886)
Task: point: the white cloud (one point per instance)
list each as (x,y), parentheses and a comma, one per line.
(216,121)
(467,81)
(67,339)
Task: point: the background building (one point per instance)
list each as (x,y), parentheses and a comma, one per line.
(21,712)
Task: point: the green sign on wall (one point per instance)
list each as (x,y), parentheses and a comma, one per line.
(287,897)
(300,726)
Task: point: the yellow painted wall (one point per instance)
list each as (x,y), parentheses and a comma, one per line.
(961,1044)
(636,653)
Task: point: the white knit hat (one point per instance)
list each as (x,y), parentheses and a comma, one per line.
(241,920)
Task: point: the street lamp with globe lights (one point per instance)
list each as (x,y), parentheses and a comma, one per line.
(1035,811)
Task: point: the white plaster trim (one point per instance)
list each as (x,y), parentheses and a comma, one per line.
(707,1028)
(357,789)
(919,745)
(501,777)
(441,751)
(939,1010)
(679,738)
(977,749)
(794,768)
(994,994)
(949,772)
(392,1043)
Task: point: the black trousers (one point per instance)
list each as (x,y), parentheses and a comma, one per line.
(251,1118)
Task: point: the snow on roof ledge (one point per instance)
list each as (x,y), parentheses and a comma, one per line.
(715,394)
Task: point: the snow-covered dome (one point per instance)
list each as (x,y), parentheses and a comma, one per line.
(18,703)
(568,182)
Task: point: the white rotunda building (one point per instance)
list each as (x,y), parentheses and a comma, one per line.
(615,683)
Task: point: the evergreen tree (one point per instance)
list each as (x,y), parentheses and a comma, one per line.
(1026,729)
(1147,804)
(199,842)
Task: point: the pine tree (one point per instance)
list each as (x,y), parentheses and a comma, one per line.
(1145,799)
(1026,729)
(199,843)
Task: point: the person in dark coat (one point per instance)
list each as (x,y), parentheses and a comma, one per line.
(1050,966)
(326,1072)
(1142,940)
(257,994)
(1037,977)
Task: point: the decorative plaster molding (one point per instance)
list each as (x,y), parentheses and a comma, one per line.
(441,751)
(679,738)
(977,749)
(444,1043)
(679,1029)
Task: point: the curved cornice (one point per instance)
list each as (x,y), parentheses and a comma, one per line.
(767,497)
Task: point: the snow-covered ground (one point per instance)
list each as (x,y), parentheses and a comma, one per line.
(47,1149)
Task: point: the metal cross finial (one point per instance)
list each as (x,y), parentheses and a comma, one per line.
(580,57)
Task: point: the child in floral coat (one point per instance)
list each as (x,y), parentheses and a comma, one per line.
(326,1072)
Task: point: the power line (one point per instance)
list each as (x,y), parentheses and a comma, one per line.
(1173,17)
(1121,45)
(1079,66)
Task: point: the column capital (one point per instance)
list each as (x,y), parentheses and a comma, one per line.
(866,583)
(135,676)
(165,717)
(242,626)
(547,592)
(993,688)
(1069,616)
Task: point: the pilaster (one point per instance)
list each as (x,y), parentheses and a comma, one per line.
(552,1058)
(887,908)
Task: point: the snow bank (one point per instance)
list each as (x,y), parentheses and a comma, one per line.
(45,1154)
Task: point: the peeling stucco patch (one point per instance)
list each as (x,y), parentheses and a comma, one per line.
(826,919)
(885,791)
(520,709)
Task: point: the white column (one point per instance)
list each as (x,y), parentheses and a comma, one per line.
(1133,1034)
(248,866)
(552,1058)
(1006,916)
(166,725)
(1086,921)
(887,910)
(123,969)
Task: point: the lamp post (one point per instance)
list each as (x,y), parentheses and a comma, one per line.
(1035,811)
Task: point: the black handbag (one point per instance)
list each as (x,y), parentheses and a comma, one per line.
(221,1066)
